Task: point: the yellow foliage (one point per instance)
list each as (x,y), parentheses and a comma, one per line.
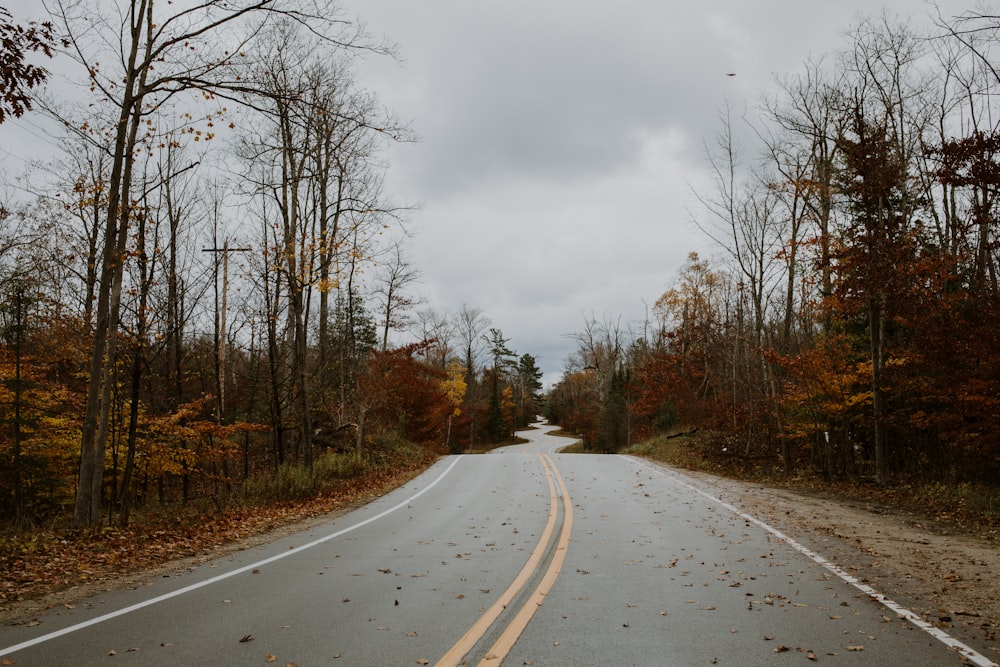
(455,387)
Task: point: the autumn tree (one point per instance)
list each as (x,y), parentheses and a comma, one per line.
(574,403)
(166,54)
(803,149)
(18,76)
(454,388)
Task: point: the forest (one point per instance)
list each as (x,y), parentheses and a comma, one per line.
(847,328)
(205,300)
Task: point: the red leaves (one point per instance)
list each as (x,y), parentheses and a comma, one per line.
(18,77)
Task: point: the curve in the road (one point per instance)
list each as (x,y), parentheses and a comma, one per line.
(457,653)
(226,575)
(505,643)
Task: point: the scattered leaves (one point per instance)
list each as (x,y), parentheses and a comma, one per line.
(59,559)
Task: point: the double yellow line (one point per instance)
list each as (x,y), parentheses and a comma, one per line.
(496,654)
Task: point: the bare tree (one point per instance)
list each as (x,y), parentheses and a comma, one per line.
(471,323)
(438,328)
(390,292)
(165,55)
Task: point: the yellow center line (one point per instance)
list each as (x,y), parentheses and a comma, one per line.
(506,641)
(454,655)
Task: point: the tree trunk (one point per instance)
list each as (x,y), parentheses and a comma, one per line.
(87,509)
(877,324)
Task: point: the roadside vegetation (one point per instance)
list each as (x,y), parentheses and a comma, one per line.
(208,318)
(971,508)
(846,335)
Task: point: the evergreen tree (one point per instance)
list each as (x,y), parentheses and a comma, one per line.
(497,427)
(528,398)
(612,433)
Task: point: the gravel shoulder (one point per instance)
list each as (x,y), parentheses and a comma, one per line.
(949,577)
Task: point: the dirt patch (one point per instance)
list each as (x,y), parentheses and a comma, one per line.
(943,573)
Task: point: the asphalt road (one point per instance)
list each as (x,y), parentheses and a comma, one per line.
(521,557)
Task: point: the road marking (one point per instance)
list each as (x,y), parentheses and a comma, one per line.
(246,568)
(455,654)
(964,650)
(505,642)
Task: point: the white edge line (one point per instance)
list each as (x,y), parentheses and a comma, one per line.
(966,651)
(226,575)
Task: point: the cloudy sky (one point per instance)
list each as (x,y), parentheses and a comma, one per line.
(561,140)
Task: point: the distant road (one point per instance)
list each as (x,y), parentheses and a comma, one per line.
(521,557)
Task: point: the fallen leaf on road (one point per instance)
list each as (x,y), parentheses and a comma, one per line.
(270,658)
(246,638)
(781,649)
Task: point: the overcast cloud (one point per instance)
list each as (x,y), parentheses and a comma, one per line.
(561,140)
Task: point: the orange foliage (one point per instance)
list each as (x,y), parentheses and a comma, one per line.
(407,394)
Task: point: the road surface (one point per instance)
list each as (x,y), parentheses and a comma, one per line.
(521,557)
